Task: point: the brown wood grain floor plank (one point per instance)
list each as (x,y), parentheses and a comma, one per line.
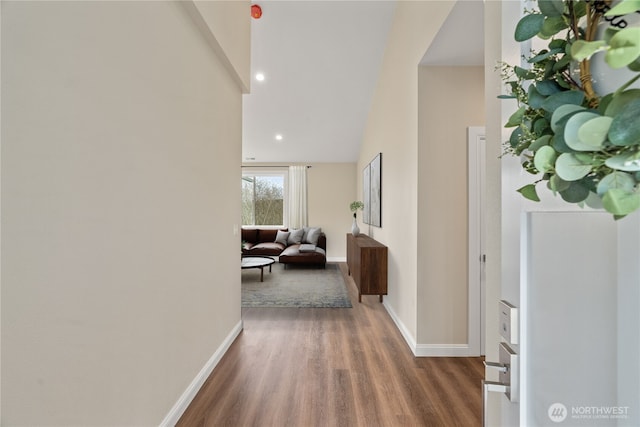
(333,367)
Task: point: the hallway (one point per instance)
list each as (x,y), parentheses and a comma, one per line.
(334,367)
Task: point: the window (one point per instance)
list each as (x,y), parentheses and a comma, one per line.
(263,198)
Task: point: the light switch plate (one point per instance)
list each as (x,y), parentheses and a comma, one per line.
(508,322)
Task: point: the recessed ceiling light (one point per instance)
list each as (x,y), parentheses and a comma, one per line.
(279,137)
(260,77)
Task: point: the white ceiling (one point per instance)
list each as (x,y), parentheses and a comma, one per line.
(321,60)
(460,41)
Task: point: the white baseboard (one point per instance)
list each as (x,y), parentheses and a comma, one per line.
(336,259)
(410,339)
(185,400)
(442,350)
(428,350)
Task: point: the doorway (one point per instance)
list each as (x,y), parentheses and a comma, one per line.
(477,257)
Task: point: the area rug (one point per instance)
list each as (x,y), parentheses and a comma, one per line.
(297,286)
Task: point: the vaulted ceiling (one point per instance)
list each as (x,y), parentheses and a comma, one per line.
(320,62)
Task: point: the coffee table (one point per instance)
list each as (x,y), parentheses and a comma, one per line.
(257,262)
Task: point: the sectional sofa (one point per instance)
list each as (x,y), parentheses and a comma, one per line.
(292,246)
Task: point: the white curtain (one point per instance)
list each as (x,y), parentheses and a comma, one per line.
(297,196)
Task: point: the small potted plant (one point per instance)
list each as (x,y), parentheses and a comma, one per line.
(355,206)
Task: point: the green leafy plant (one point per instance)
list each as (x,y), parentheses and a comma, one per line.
(355,206)
(585,145)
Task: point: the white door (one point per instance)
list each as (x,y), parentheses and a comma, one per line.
(575,277)
(579,327)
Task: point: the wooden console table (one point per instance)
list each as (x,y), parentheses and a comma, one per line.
(367,264)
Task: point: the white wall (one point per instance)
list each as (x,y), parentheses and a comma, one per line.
(332,188)
(451,100)
(121,129)
(228,32)
(392,128)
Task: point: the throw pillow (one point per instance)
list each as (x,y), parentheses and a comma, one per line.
(305,247)
(295,236)
(282,237)
(311,235)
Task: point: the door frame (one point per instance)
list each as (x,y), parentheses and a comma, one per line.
(476,239)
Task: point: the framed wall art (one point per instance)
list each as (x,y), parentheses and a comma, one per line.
(366,182)
(372,189)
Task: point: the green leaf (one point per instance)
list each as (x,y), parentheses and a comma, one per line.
(585,158)
(558,43)
(540,142)
(528,26)
(574,97)
(562,114)
(514,138)
(594,132)
(523,73)
(541,126)
(549,65)
(624,48)
(569,168)
(608,33)
(545,159)
(559,119)
(516,118)
(557,184)
(535,98)
(581,50)
(562,64)
(635,65)
(620,202)
(579,9)
(624,162)
(558,144)
(563,82)
(616,179)
(625,128)
(552,26)
(577,192)
(544,54)
(547,87)
(619,102)
(551,7)
(622,8)
(593,201)
(571,131)
(529,192)
(604,103)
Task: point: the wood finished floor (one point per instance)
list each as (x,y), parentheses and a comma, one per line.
(334,367)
